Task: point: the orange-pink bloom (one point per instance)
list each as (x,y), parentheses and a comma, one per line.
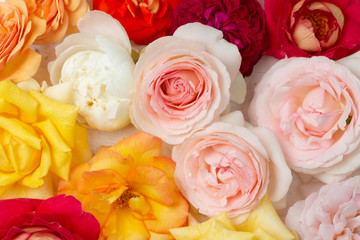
(130,189)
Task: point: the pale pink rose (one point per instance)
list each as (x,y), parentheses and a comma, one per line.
(182,82)
(313,106)
(331,213)
(229,167)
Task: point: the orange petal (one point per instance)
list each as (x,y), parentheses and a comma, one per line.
(152,183)
(38,27)
(141,146)
(54,35)
(81,151)
(121,225)
(22,67)
(102,181)
(107,158)
(78,13)
(165,164)
(167,217)
(97,205)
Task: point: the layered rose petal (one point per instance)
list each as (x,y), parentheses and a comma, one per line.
(225,167)
(130,189)
(183,82)
(312,28)
(312,105)
(330,213)
(54,218)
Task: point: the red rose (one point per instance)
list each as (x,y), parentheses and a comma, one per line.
(143,20)
(59,217)
(312,28)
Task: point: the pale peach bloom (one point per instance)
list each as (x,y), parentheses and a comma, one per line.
(19,29)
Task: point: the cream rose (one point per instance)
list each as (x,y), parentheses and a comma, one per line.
(183,82)
(95,71)
(331,213)
(312,105)
(227,167)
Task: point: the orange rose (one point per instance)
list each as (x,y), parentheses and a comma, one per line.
(18,30)
(61,16)
(130,189)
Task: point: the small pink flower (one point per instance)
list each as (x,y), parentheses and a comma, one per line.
(331,213)
(59,217)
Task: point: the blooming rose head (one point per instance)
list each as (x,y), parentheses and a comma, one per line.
(19,30)
(38,136)
(313,106)
(95,71)
(60,16)
(183,82)
(305,28)
(144,20)
(226,167)
(331,213)
(130,189)
(59,217)
(242,23)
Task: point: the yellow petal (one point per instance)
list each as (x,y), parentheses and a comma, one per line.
(95,204)
(166,217)
(261,234)
(141,146)
(219,232)
(60,152)
(123,226)
(14,95)
(62,115)
(265,216)
(160,236)
(7,108)
(81,151)
(140,206)
(22,67)
(153,183)
(35,180)
(19,191)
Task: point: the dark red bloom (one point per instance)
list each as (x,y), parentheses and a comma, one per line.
(305,28)
(143,20)
(242,23)
(59,217)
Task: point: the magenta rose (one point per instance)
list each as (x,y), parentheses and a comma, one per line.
(313,106)
(59,217)
(242,23)
(312,28)
(331,213)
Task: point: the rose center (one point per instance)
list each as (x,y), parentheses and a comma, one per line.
(123,200)
(319,22)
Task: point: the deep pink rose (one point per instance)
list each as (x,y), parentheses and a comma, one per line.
(242,23)
(313,106)
(331,213)
(59,217)
(312,28)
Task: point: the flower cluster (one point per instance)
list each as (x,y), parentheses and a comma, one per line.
(193,135)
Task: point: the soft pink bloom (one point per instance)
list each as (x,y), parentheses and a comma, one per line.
(59,217)
(227,167)
(182,82)
(313,106)
(331,213)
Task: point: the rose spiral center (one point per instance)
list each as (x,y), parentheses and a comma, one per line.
(123,200)
(319,22)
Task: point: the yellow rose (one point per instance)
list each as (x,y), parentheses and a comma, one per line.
(38,136)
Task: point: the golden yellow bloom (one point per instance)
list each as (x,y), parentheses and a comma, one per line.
(38,136)
(262,224)
(61,16)
(18,30)
(130,189)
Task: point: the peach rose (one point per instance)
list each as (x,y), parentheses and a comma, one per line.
(183,82)
(61,17)
(313,106)
(331,213)
(19,29)
(227,166)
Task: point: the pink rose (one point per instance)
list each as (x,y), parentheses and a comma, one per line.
(183,82)
(304,28)
(227,166)
(331,213)
(59,217)
(313,106)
